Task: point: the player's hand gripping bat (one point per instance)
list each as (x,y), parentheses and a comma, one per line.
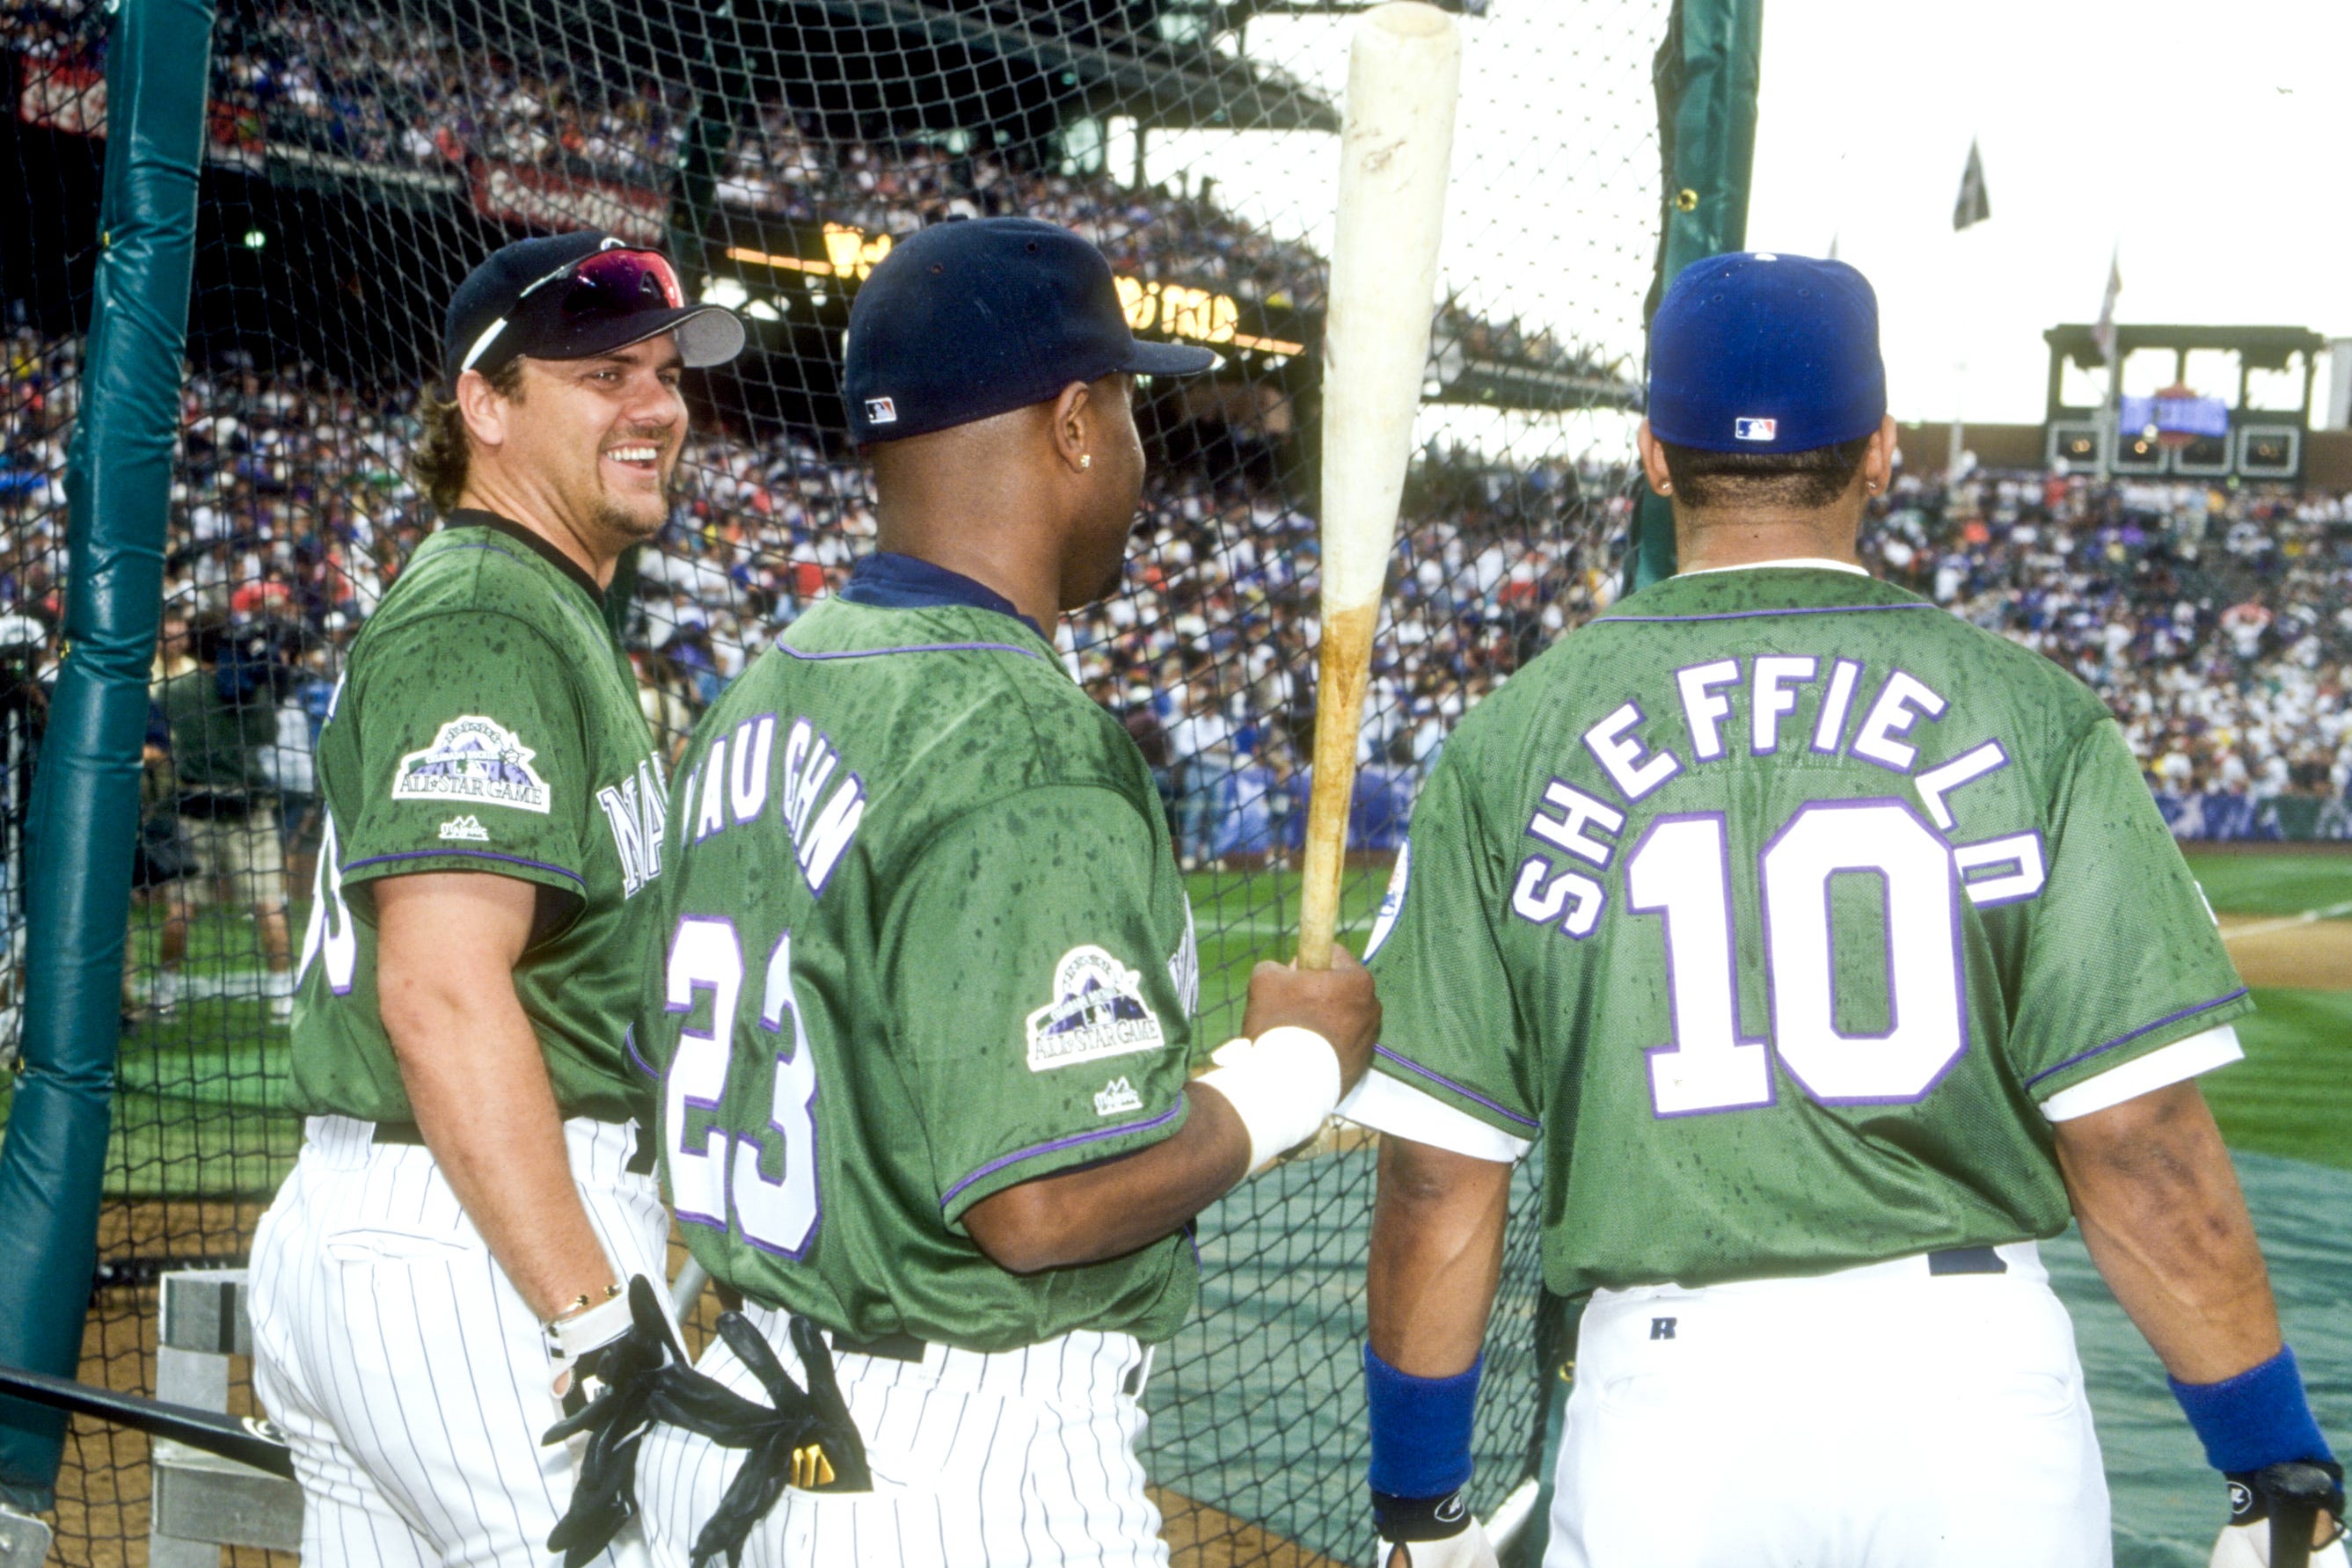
(1396,141)
(2274,1513)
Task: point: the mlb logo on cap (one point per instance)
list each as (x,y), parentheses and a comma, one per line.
(1768,331)
(881,411)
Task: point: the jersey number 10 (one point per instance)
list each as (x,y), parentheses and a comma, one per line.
(778,1216)
(1681,872)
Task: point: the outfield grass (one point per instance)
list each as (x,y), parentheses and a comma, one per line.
(2272,883)
(2292,1094)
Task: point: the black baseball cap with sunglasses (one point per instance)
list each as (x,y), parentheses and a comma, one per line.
(573,297)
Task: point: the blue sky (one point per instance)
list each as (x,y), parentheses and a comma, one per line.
(2204,142)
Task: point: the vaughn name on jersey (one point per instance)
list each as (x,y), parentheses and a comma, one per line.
(923,938)
(1767,900)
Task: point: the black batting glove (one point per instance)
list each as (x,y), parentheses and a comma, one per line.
(2288,1494)
(1408,1519)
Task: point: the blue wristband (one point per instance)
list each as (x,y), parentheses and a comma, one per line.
(1420,1428)
(2259,1417)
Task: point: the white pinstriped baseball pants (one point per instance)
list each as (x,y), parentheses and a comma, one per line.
(980,1461)
(409,1377)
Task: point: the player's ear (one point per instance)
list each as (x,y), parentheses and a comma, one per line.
(1074,434)
(1654,460)
(484,409)
(1878,459)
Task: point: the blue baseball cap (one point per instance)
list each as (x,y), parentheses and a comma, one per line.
(965,320)
(1763,351)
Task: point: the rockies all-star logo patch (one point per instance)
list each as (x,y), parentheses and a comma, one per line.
(1098,1012)
(476,760)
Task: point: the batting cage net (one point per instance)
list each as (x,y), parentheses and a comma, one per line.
(360,157)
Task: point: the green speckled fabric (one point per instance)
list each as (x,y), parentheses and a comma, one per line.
(1949,897)
(488,722)
(965,960)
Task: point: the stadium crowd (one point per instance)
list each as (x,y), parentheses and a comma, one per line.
(400,91)
(2216,622)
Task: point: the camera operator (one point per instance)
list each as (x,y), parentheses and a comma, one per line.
(222,717)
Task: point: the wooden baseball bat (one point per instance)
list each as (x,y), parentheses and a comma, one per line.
(1396,141)
(244,1438)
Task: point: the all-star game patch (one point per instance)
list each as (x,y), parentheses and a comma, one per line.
(1098,1012)
(475,760)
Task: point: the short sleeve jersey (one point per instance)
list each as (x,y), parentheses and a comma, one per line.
(488,722)
(922,938)
(1775,904)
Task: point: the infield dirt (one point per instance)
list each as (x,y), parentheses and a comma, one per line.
(2309,955)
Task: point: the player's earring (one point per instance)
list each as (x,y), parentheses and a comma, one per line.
(1086,459)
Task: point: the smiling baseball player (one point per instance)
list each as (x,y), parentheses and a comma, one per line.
(1835,952)
(922,1005)
(469,1196)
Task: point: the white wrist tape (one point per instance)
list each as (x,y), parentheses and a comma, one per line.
(569,1339)
(1282,1085)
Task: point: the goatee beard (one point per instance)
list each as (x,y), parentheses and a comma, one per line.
(627,524)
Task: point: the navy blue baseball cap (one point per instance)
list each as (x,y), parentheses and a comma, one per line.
(966,320)
(1763,351)
(569,297)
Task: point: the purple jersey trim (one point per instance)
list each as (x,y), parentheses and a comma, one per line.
(1057,1145)
(2144,1029)
(1747,614)
(463,854)
(914,648)
(1412,1066)
(629,1044)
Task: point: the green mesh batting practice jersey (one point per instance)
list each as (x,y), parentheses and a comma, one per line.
(922,938)
(488,722)
(1778,903)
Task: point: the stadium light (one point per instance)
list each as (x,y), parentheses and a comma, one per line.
(255,239)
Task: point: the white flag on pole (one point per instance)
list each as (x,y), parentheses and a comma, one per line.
(2104,334)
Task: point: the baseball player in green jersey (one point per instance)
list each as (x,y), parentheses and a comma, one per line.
(471,1194)
(1834,952)
(920,1010)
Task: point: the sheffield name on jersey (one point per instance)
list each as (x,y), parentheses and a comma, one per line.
(1780,904)
(488,723)
(923,938)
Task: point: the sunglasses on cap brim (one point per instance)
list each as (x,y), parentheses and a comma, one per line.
(602,283)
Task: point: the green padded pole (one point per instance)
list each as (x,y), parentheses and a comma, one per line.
(85,813)
(1705,74)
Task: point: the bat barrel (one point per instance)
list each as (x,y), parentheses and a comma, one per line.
(1396,143)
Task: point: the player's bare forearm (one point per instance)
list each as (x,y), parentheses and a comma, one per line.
(1437,1256)
(1107,1210)
(2161,1213)
(446,946)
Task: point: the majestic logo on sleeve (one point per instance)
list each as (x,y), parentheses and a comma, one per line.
(1098,1012)
(474,759)
(1117,1095)
(466,827)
